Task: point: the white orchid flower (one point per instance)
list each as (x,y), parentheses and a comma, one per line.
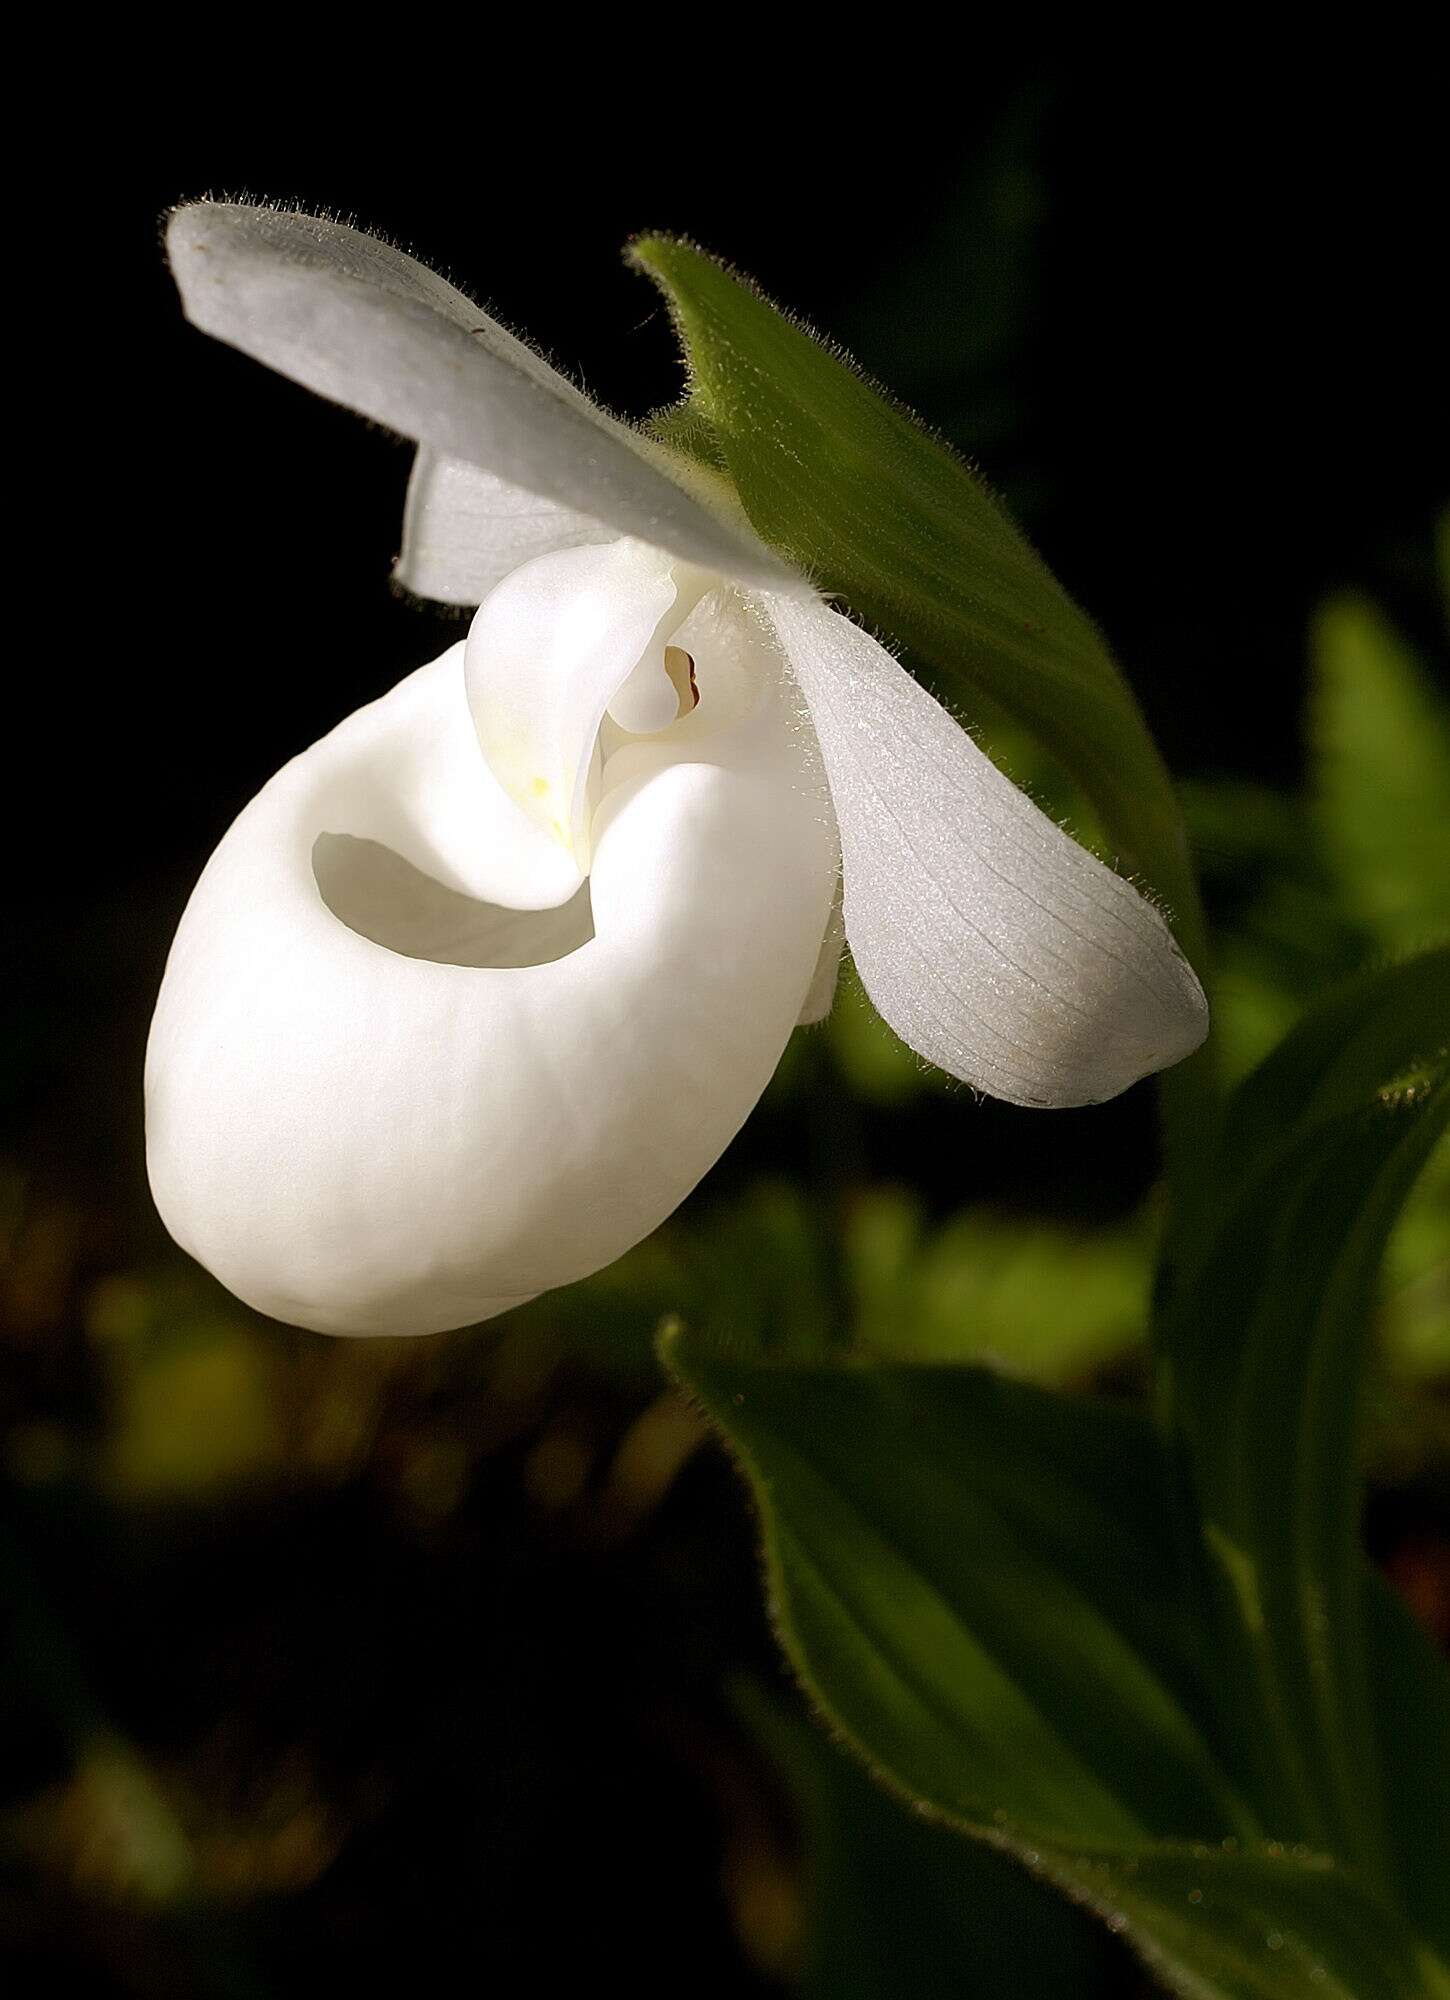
(477,988)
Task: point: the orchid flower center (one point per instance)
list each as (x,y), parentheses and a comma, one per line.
(681,670)
(584,674)
(587,652)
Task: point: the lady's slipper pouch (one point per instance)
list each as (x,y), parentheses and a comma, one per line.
(477,988)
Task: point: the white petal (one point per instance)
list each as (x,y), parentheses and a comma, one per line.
(419,781)
(821,997)
(358,321)
(465,530)
(361,1141)
(992,943)
(548,652)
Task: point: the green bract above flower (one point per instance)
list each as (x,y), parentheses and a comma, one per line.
(477,988)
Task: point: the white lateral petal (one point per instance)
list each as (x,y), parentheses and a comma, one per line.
(361,323)
(465,530)
(365,1142)
(548,651)
(992,943)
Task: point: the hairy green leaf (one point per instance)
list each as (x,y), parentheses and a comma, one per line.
(899,1905)
(983,1575)
(1258,1922)
(977,1583)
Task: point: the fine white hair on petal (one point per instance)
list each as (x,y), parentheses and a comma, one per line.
(360,1140)
(357,321)
(988,939)
(465,530)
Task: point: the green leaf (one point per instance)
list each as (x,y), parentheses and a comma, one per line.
(1267,1342)
(977,1583)
(1415,1316)
(898,1905)
(980,1579)
(1412,1687)
(1381,774)
(858,494)
(1259,1923)
(1270,1397)
(1383,1027)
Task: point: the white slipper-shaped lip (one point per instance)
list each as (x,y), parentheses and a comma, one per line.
(361,1140)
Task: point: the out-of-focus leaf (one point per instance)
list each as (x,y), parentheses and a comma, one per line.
(897,1905)
(1279,926)
(807,1277)
(858,494)
(109,1823)
(873,1060)
(195,1406)
(1040,1300)
(977,1582)
(765,1262)
(1383,1029)
(1267,1346)
(1253,1008)
(1381,775)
